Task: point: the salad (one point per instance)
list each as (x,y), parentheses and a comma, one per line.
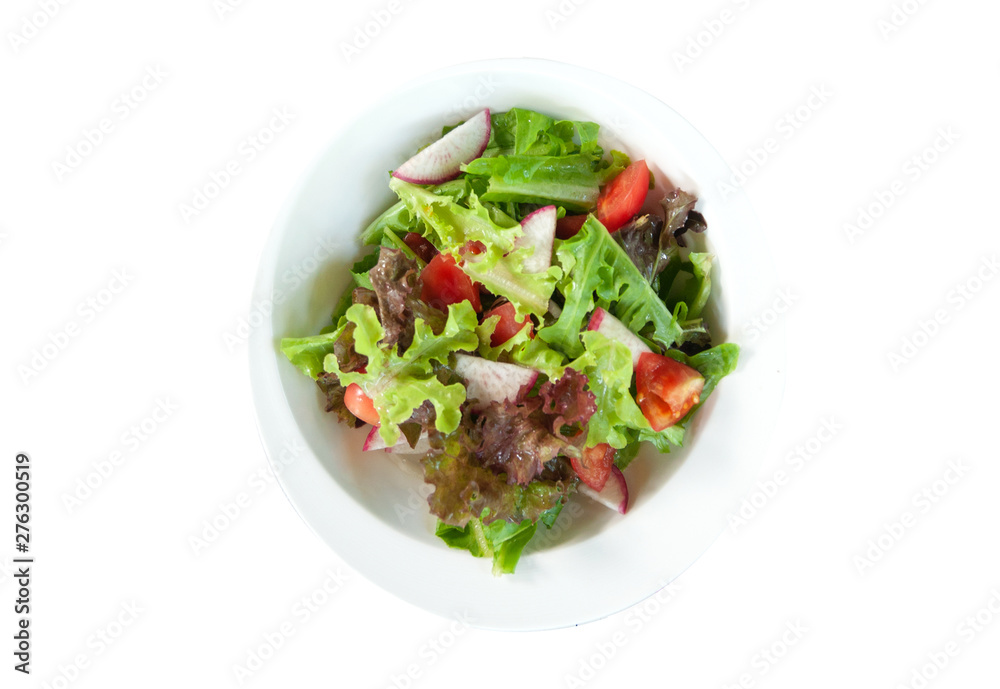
(521,325)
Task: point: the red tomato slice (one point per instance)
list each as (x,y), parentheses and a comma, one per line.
(420,246)
(508,326)
(666,389)
(623,197)
(445,283)
(360,404)
(569,225)
(594,466)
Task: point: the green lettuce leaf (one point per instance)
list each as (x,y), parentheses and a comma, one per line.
(595,266)
(396,284)
(702,265)
(500,267)
(504,276)
(500,540)
(359,271)
(521,349)
(396,218)
(399,383)
(527,132)
(308,353)
(451,224)
(713,364)
(618,420)
(399,219)
(693,284)
(608,365)
(572,181)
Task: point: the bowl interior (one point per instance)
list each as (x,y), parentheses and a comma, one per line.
(370,507)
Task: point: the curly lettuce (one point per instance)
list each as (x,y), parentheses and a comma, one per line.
(598,272)
(499,267)
(399,383)
(465,490)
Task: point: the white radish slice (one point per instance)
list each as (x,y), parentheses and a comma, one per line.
(374,442)
(539,230)
(614,495)
(491,381)
(443,159)
(613,329)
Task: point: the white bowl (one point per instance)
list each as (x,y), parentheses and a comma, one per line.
(372,513)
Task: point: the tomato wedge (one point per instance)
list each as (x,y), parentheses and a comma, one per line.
(360,404)
(594,466)
(623,197)
(569,225)
(508,326)
(420,246)
(666,389)
(444,283)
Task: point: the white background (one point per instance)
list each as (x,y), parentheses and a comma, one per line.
(170,335)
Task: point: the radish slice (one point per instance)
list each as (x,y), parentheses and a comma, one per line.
(443,159)
(612,328)
(491,381)
(614,495)
(539,230)
(374,442)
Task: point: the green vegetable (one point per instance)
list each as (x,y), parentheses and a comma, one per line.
(593,262)
(526,132)
(499,269)
(500,540)
(504,274)
(499,471)
(714,364)
(308,353)
(451,223)
(521,349)
(360,269)
(398,384)
(569,181)
(608,365)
